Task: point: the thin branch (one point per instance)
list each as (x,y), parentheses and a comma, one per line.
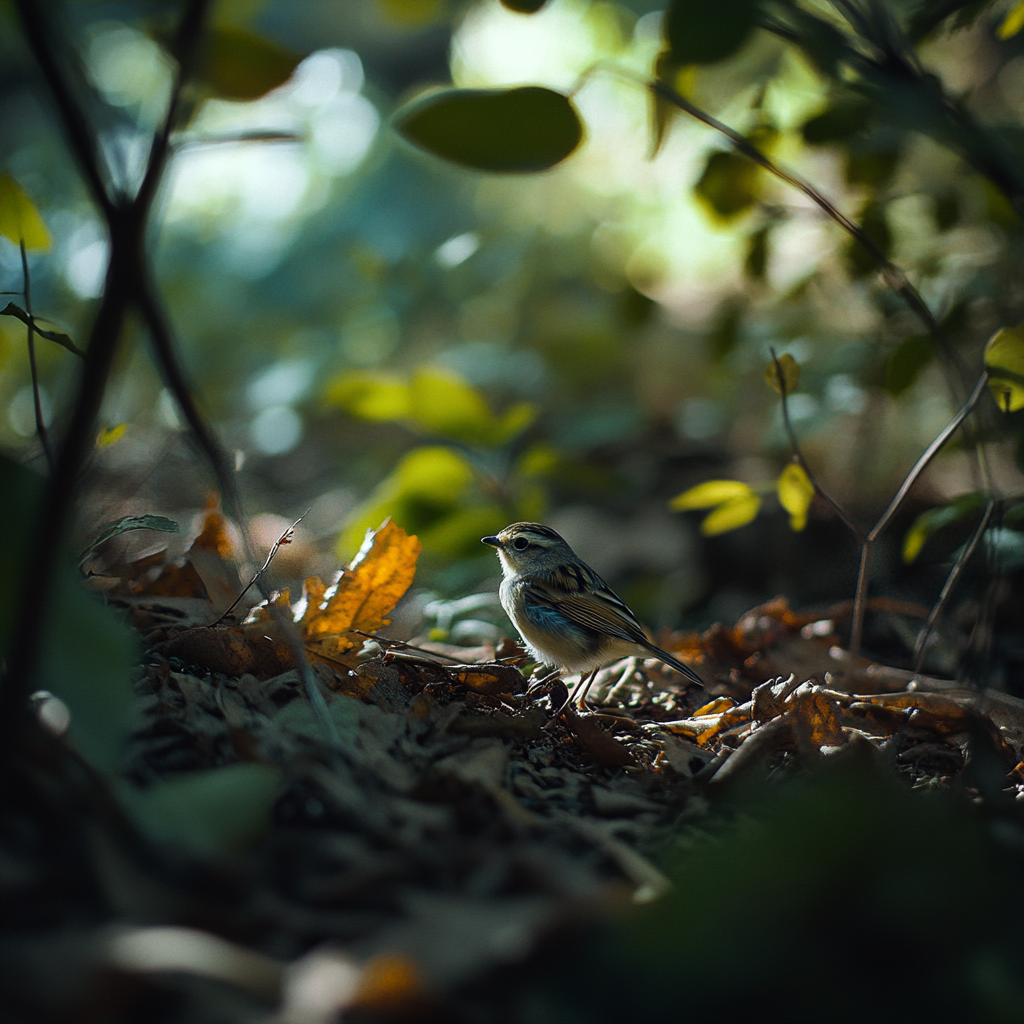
(285,538)
(44,438)
(930,452)
(891,274)
(40,36)
(867,554)
(947,589)
(799,456)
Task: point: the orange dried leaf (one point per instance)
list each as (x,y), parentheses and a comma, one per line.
(214,536)
(374,582)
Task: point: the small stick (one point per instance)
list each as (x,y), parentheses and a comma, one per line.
(285,538)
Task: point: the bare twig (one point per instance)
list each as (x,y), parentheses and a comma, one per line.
(799,456)
(947,589)
(44,438)
(285,538)
(867,553)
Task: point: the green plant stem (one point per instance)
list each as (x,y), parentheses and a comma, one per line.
(44,438)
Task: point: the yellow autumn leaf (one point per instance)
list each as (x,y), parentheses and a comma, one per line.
(790,374)
(796,492)
(1013,22)
(19,218)
(369,588)
(731,515)
(1004,359)
(110,436)
(709,494)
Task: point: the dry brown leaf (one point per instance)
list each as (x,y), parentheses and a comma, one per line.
(369,588)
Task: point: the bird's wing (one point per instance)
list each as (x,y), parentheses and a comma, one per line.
(578,593)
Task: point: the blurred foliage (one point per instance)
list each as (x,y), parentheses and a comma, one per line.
(377,328)
(902,907)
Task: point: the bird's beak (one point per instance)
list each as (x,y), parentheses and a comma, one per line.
(493,541)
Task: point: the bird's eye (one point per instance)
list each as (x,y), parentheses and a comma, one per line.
(520,543)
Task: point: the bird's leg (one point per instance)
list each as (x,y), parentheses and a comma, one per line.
(586,678)
(582,703)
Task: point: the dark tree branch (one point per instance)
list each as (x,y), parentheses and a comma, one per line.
(44,438)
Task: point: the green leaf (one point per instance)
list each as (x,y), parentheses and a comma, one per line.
(239,65)
(87,653)
(126,524)
(699,32)
(875,225)
(790,374)
(906,362)
(729,185)
(935,519)
(1004,360)
(214,812)
(524,6)
(19,218)
(61,339)
(501,130)
(839,122)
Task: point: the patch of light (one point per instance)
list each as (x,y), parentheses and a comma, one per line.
(85,266)
(457,250)
(276,430)
(282,383)
(496,47)
(802,406)
(342,131)
(129,68)
(259,182)
(843,394)
(325,74)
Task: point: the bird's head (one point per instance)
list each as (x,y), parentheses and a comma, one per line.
(529,547)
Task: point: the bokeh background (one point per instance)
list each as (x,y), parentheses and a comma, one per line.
(375,332)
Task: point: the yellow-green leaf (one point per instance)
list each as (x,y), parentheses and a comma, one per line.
(790,374)
(1013,22)
(19,218)
(1004,359)
(370,396)
(731,515)
(445,404)
(110,436)
(710,493)
(796,492)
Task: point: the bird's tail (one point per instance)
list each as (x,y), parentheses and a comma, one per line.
(675,663)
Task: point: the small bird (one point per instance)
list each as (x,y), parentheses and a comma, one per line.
(566,614)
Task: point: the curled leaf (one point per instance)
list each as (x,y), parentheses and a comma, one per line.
(61,339)
(1004,359)
(796,492)
(790,379)
(709,494)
